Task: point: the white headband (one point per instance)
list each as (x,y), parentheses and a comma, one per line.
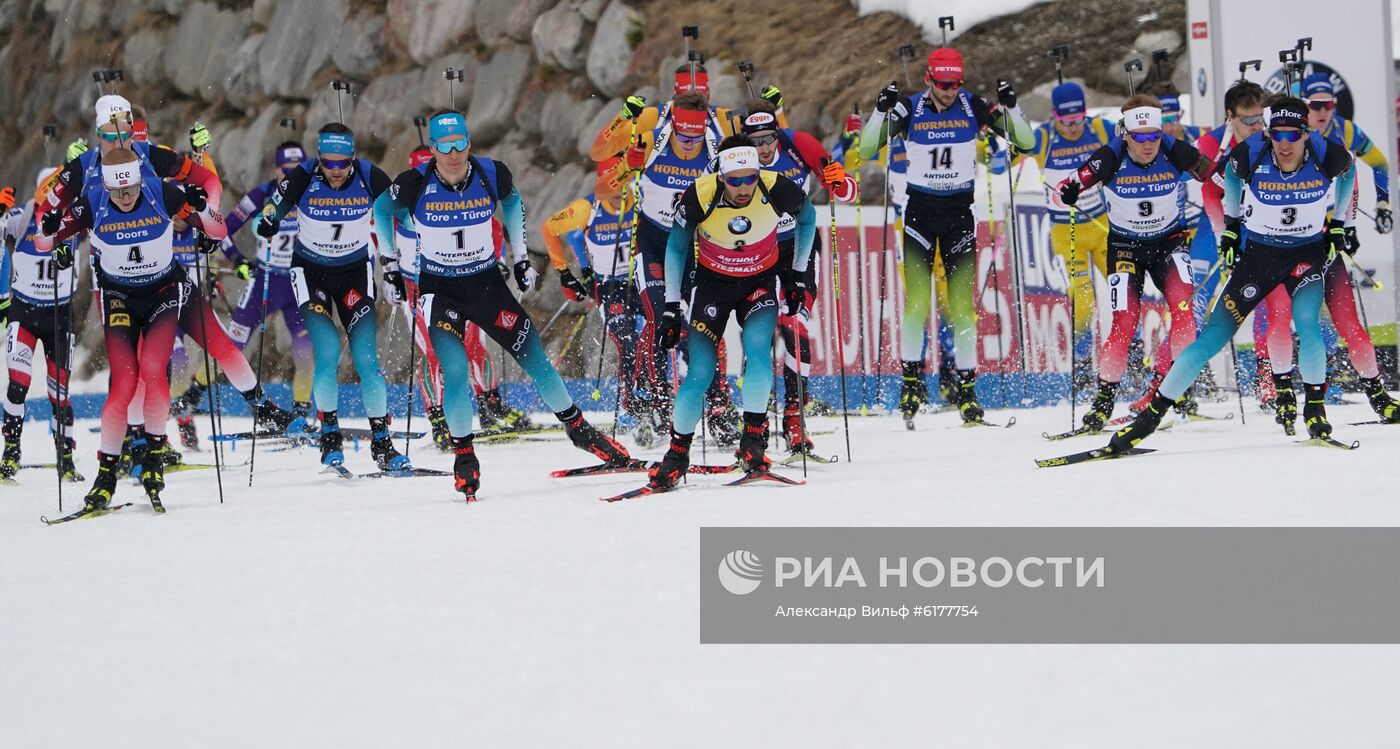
(1138,118)
(117,176)
(738,159)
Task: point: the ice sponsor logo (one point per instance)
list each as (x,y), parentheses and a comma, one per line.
(740,572)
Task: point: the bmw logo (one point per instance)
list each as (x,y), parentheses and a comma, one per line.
(1201,81)
(739,225)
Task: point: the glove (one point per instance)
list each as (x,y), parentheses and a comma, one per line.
(633,106)
(772,95)
(1384,223)
(1336,238)
(668,333)
(794,294)
(206,245)
(577,290)
(853,123)
(393,282)
(243,269)
(7,198)
(4,312)
(636,157)
(1230,243)
(51,222)
(267,228)
(525,276)
(888,97)
(1069,191)
(76,148)
(196,197)
(199,137)
(1006,95)
(1353,242)
(833,174)
(63,256)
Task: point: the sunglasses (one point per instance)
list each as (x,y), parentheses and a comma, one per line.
(335,163)
(111,137)
(126,193)
(1070,119)
(688,139)
(448,146)
(763,140)
(1251,119)
(1286,136)
(1168,119)
(741,181)
(1322,105)
(946,85)
(1151,137)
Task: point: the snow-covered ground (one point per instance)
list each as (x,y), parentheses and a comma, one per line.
(966,13)
(310,611)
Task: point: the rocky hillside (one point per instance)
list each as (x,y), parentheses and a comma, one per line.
(540,76)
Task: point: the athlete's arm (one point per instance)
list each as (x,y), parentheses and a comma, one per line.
(878,129)
(1235,165)
(288,194)
(181,168)
(566,225)
(395,204)
(1210,191)
(814,156)
(612,140)
(512,213)
(179,208)
(1338,164)
(1101,165)
(1010,123)
(680,242)
(77,218)
(1364,149)
(67,185)
(1186,158)
(247,208)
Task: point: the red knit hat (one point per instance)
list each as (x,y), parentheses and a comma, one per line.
(945,64)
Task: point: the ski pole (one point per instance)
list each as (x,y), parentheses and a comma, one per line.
(603,306)
(802,399)
(884,263)
(262,348)
(208,376)
(1019,295)
(59,334)
(840,327)
(412,357)
(996,260)
(860,274)
(1069,291)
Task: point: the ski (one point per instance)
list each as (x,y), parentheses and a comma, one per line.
(635,466)
(403,473)
(1078,432)
(1101,453)
(154,496)
(764,475)
(638,492)
(796,459)
(984,423)
(1329,442)
(1354,423)
(339,470)
(7,481)
(83,513)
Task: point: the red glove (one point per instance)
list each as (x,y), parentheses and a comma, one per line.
(7,198)
(636,157)
(834,174)
(853,123)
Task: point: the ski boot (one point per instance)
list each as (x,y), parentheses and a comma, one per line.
(947,381)
(184,406)
(153,471)
(133,451)
(466,469)
(189,436)
(9,461)
(171,456)
(1385,406)
(793,432)
(496,416)
(382,447)
(722,420)
(1315,411)
(673,465)
(1264,378)
(331,440)
(967,397)
(753,442)
(99,497)
(1146,400)
(1187,406)
(586,437)
(1102,408)
(63,451)
(437,419)
(303,425)
(913,393)
(1285,403)
(1143,425)
(266,414)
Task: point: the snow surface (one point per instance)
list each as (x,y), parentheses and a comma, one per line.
(310,611)
(925,13)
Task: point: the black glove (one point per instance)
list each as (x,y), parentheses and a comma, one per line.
(668,333)
(51,222)
(889,96)
(1384,222)
(393,281)
(267,228)
(197,198)
(633,106)
(1353,242)
(205,244)
(1069,191)
(1230,243)
(794,294)
(1006,95)
(63,256)
(1336,238)
(525,276)
(577,290)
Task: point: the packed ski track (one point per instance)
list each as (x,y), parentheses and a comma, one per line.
(310,610)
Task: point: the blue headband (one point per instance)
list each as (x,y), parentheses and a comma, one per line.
(446,125)
(336,144)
